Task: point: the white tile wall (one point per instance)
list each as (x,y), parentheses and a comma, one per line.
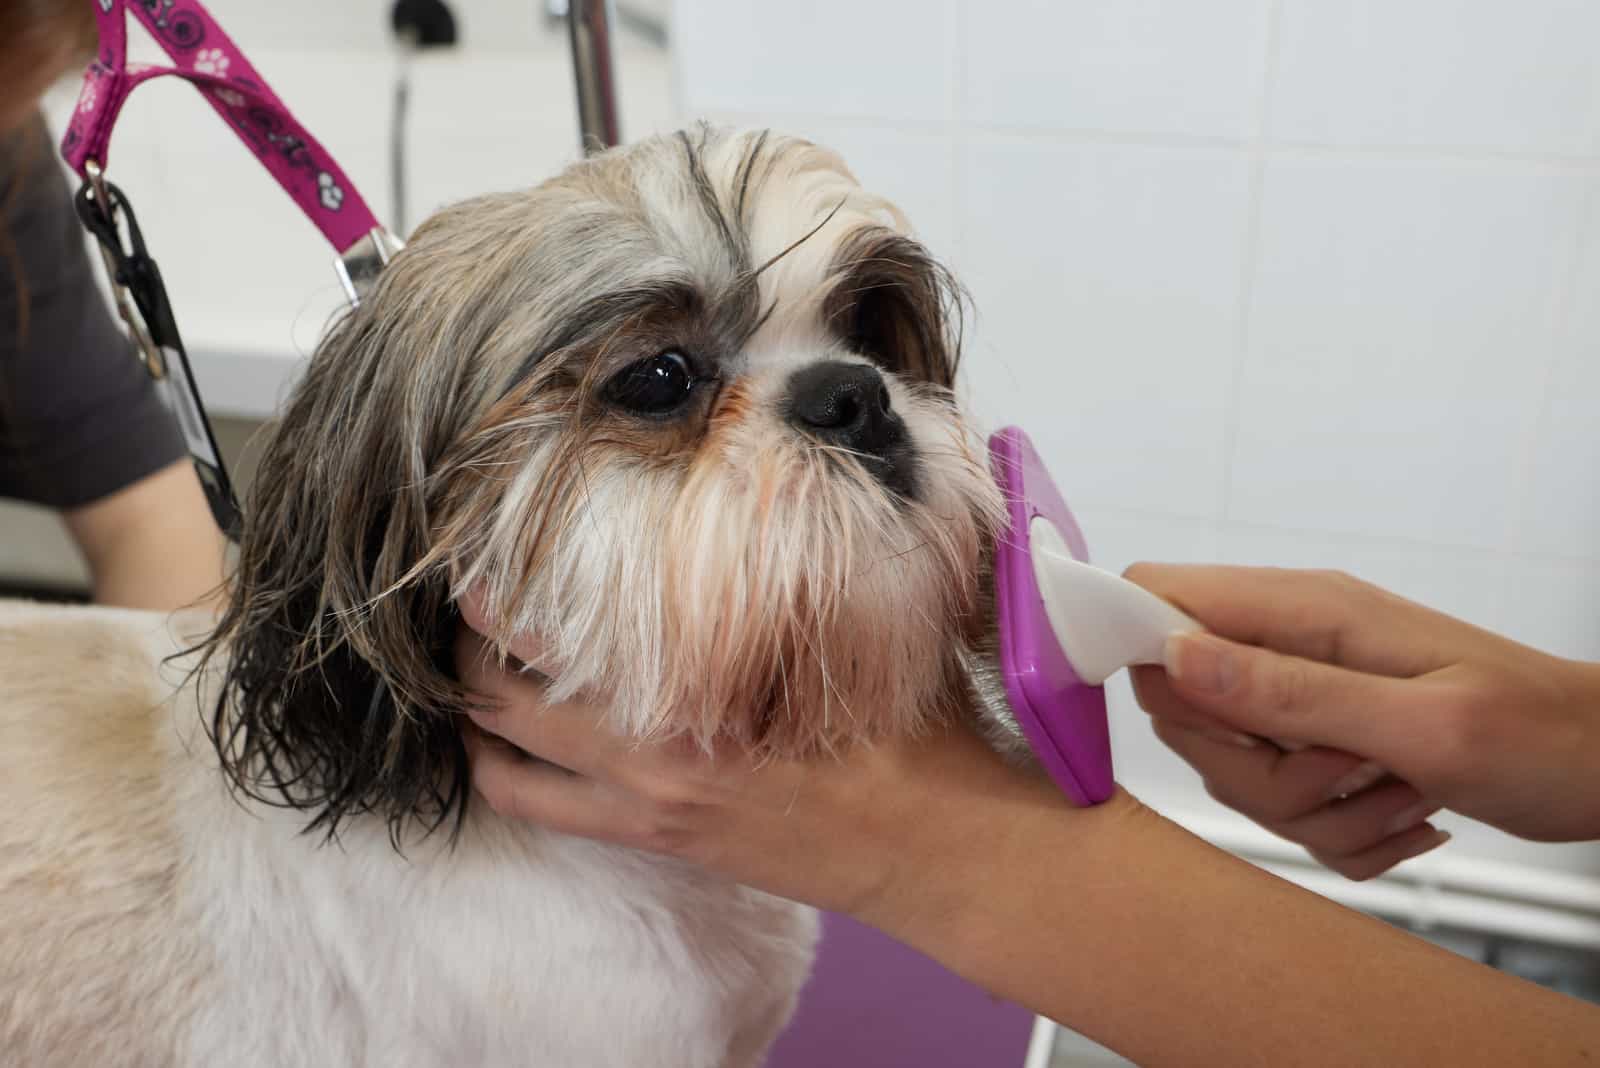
(1067,248)
(1550,604)
(1294,282)
(1562,496)
(885,58)
(1467,583)
(1151,66)
(1403,323)
(1467,74)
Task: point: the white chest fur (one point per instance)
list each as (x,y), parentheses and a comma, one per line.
(153,920)
(514,948)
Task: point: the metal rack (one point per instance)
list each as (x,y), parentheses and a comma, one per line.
(590,24)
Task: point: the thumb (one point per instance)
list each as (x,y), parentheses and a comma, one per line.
(1290,698)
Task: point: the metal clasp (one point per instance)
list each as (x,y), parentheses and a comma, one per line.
(359,265)
(99,208)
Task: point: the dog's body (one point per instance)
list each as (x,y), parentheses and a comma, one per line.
(151,920)
(682,414)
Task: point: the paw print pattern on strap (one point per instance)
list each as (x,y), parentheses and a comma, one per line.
(206,57)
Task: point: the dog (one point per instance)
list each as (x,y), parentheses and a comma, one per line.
(686,413)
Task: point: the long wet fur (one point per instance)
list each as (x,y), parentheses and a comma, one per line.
(439,438)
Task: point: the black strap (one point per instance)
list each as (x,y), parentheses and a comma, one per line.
(143,304)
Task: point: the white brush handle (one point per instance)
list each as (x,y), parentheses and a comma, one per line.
(1102,622)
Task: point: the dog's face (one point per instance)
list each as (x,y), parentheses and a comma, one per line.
(683,415)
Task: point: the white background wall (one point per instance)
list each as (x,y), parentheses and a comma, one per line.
(1301,282)
(1308,282)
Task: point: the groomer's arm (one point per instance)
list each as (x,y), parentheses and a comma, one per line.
(152,544)
(1112,920)
(1123,926)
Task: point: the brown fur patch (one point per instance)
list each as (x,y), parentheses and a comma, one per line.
(91,952)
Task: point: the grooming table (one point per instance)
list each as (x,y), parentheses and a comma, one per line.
(873,1003)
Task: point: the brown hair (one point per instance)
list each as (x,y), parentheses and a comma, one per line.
(30,29)
(57,25)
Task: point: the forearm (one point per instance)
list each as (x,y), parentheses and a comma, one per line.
(1112,920)
(1125,927)
(160,574)
(152,545)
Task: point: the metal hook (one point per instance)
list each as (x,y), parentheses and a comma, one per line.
(99,204)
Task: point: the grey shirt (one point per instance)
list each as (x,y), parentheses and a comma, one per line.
(79,417)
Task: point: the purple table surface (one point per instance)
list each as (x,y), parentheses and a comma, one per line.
(873,1003)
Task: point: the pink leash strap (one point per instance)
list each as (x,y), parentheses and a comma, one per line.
(206,58)
(210,61)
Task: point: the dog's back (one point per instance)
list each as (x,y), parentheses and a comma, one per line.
(150,919)
(89,859)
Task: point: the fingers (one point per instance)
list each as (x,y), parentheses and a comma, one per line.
(1272,787)
(1318,615)
(542,794)
(512,706)
(1343,810)
(1339,830)
(473,606)
(1271,695)
(474,610)
(1392,851)
(1154,692)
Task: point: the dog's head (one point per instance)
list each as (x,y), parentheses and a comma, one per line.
(683,413)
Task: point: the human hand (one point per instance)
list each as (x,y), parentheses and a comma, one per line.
(1401,710)
(859,834)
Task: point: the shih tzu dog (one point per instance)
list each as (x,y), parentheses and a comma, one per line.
(684,413)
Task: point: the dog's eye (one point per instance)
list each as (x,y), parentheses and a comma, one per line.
(656,386)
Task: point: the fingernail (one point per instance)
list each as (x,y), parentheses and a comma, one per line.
(1432,841)
(1227,737)
(1409,818)
(1202,663)
(1356,781)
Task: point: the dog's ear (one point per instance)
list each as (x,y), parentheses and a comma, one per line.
(892,301)
(337,694)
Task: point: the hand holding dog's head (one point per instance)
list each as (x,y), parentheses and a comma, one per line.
(683,412)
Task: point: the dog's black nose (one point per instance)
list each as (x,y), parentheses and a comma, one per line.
(847,404)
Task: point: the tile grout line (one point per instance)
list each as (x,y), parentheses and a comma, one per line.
(956,138)
(1562,314)
(1285,148)
(1249,262)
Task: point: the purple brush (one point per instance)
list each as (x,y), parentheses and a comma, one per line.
(1064,626)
